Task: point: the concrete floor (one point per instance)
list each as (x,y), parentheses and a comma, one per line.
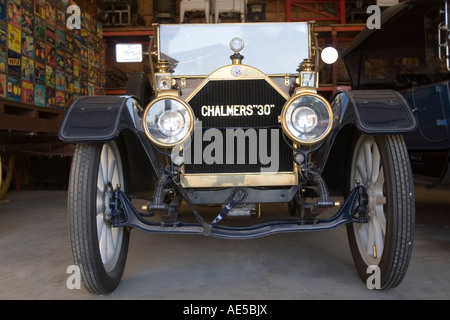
(35,254)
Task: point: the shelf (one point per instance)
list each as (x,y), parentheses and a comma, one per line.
(116,91)
(17,116)
(319,15)
(126,32)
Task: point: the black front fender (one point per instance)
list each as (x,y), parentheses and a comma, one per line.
(374,111)
(99,118)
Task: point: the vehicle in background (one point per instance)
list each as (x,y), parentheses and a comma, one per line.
(410,54)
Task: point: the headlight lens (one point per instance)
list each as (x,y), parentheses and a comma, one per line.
(307,118)
(168,121)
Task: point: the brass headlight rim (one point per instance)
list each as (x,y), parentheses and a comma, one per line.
(287,105)
(189,111)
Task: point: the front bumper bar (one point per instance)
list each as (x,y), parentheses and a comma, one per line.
(126,215)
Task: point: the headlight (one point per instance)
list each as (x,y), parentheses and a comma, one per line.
(307,118)
(168,121)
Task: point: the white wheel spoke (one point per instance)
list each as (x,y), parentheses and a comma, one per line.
(370,240)
(111,248)
(362,173)
(381,218)
(104,163)
(101,179)
(368,157)
(100,224)
(99,201)
(379,183)
(376,164)
(379,237)
(111,164)
(102,242)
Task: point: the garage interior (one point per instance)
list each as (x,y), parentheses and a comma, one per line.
(35,165)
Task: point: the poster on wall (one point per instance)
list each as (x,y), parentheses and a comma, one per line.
(3,10)
(60,39)
(27,45)
(39,8)
(49,97)
(60,20)
(60,80)
(60,99)
(27,92)
(14,62)
(50,55)
(50,13)
(3,58)
(69,83)
(27,4)
(60,59)
(3,37)
(39,72)
(2,85)
(39,51)
(14,13)
(50,35)
(39,95)
(50,77)
(14,38)
(27,69)
(40,28)
(27,21)
(14,88)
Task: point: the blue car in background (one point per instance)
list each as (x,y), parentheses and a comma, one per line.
(410,54)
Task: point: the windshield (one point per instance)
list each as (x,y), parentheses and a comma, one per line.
(273,48)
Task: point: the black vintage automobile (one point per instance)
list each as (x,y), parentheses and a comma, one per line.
(410,54)
(211,130)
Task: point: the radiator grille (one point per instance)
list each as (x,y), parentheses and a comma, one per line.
(239,104)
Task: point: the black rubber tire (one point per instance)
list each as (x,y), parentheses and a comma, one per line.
(399,212)
(82,215)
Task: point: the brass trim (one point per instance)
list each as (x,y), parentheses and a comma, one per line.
(275,75)
(248,73)
(173,95)
(238,180)
(300,92)
(166,94)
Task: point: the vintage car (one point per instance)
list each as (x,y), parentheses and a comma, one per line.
(410,54)
(223,139)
